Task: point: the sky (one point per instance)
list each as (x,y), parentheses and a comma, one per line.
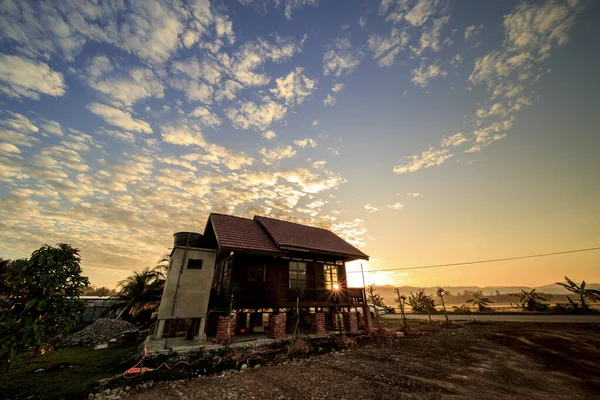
(422,131)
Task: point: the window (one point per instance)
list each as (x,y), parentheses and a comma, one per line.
(297,275)
(194,264)
(256,273)
(331,276)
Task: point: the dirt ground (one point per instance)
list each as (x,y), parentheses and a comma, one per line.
(496,361)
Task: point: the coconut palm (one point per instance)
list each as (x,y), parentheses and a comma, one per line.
(531,300)
(422,302)
(480,302)
(401,300)
(581,291)
(141,290)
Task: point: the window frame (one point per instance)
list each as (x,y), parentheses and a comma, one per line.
(295,273)
(261,273)
(191,261)
(329,271)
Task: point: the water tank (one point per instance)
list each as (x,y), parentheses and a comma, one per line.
(188,239)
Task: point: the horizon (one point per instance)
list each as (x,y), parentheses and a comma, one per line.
(423,132)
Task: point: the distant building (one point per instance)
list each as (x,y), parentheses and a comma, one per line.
(266,264)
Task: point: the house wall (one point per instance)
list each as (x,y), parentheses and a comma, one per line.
(187,296)
(274,291)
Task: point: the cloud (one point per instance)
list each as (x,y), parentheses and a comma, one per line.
(420,12)
(119,118)
(51,127)
(413,194)
(472,31)
(207,117)
(295,87)
(22,77)
(269,135)
(315,122)
(277,154)
(370,208)
(387,48)
(422,75)
(18,130)
(306,142)
(428,158)
(290,5)
(396,206)
(329,100)
(249,115)
(341,59)
(454,140)
(362,21)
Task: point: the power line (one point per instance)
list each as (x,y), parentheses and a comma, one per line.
(481,261)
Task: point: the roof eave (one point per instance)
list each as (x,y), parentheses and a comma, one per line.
(352,257)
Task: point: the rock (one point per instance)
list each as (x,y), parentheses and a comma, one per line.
(101,331)
(244,366)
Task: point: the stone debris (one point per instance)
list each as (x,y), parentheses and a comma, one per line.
(101,331)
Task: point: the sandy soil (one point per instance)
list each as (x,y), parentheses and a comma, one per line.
(497,361)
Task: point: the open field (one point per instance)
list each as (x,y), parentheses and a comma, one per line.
(501,317)
(498,360)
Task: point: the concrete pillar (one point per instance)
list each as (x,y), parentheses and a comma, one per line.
(277,326)
(159,329)
(201,336)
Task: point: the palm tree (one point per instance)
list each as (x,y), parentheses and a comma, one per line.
(531,301)
(422,302)
(441,292)
(581,291)
(480,302)
(141,290)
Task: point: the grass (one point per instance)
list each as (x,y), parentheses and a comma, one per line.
(72,383)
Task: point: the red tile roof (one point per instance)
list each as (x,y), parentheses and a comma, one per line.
(292,236)
(237,233)
(271,235)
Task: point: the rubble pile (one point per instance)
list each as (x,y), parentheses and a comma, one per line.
(101,331)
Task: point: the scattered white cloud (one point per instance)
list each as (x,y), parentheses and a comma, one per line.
(472,31)
(22,77)
(269,135)
(396,206)
(295,87)
(454,140)
(207,117)
(413,194)
(341,58)
(428,158)
(119,118)
(249,115)
(362,21)
(422,75)
(315,122)
(306,142)
(370,208)
(386,48)
(277,154)
(329,100)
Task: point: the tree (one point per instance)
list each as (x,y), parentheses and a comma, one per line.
(40,299)
(530,300)
(376,300)
(480,302)
(441,293)
(401,300)
(141,290)
(422,302)
(581,291)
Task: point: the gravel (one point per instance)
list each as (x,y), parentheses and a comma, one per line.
(101,331)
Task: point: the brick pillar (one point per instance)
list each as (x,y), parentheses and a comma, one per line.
(350,322)
(367,318)
(222,329)
(277,326)
(241,322)
(256,320)
(320,328)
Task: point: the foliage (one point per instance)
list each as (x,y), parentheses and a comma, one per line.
(480,302)
(40,298)
(373,297)
(99,291)
(581,291)
(421,302)
(141,290)
(531,301)
(462,309)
